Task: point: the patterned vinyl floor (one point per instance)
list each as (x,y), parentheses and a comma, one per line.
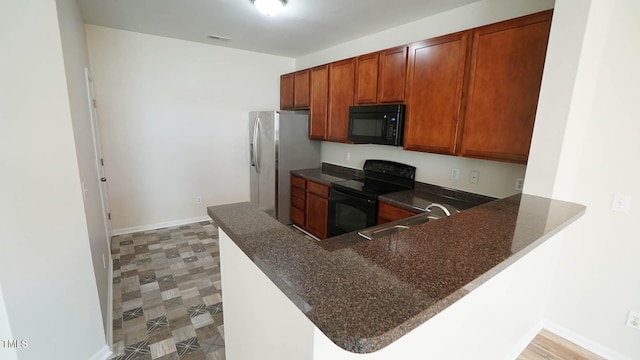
(167,302)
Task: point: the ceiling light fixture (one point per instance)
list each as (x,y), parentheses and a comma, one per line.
(269,7)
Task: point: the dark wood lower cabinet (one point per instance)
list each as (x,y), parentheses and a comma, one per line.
(317,215)
(310,206)
(298,201)
(388,213)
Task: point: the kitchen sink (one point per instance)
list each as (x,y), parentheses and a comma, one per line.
(396,226)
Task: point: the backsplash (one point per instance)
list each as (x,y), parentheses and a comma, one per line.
(496,179)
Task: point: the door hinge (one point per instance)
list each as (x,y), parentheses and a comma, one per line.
(95,104)
(101,162)
(109,216)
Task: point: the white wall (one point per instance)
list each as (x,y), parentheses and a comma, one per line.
(174,121)
(496,178)
(5,331)
(74,49)
(598,273)
(47,278)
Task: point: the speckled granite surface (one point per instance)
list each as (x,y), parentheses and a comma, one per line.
(328,173)
(363,295)
(425,194)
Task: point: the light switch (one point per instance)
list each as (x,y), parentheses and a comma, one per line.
(455,174)
(621,202)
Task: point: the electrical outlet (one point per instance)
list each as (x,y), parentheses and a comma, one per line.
(633,320)
(519,184)
(455,174)
(475,177)
(621,203)
(198,200)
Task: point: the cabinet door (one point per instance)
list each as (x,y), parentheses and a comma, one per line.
(319,102)
(504,84)
(434,88)
(392,75)
(286,91)
(317,215)
(366,86)
(341,83)
(298,201)
(387,213)
(301,89)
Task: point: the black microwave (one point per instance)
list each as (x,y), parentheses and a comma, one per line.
(377,124)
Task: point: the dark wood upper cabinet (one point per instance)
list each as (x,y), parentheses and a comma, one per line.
(319,102)
(473,93)
(286,91)
(294,90)
(507,61)
(380,77)
(434,93)
(366,86)
(301,89)
(392,75)
(341,89)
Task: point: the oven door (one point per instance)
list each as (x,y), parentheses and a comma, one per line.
(350,211)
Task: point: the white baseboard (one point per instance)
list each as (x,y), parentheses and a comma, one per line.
(584,342)
(102,354)
(160,225)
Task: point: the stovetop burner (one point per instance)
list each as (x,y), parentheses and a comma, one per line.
(380,177)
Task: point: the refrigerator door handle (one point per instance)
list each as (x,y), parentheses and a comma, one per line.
(253,163)
(253,142)
(256,144)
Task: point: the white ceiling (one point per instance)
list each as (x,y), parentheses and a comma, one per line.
(302,27)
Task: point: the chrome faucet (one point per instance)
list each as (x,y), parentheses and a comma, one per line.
(439,206)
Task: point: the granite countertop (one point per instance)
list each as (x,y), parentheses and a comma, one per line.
(416,199)
(328,173)
(426,194)
(365,294)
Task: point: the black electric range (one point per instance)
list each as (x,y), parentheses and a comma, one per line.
(353,204)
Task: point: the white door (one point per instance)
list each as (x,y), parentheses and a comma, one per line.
(98,154)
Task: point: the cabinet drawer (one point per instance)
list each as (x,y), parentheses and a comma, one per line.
(298,203)
(388,213)
(297,216)
(318,189)
(298,182)
(297,193)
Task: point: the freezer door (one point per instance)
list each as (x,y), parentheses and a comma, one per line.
(263,131)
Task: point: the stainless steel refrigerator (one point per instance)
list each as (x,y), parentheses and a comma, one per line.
(278,143)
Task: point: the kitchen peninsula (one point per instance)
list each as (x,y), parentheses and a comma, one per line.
(405,295)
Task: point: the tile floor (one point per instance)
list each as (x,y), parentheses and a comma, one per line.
(167,302)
